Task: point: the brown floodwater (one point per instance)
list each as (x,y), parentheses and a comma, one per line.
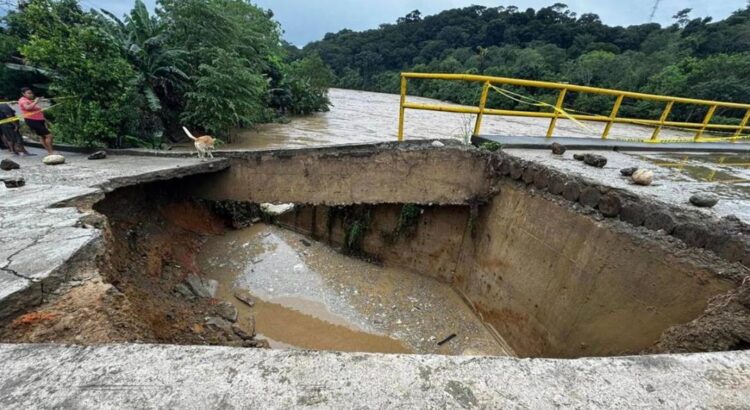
(367,117)
(310,296)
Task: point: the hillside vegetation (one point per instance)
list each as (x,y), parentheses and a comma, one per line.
(695,58)
(132,80)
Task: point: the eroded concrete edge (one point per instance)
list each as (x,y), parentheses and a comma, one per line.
(57,239)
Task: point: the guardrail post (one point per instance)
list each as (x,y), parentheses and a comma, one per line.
(613,116)
(706,121)
(558,107)
(743,124)
(402,110)
(482,104)
(662,120)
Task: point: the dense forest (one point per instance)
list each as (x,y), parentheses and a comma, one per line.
(695,58)
(131,81)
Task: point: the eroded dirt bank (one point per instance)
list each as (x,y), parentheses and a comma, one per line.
(144,284)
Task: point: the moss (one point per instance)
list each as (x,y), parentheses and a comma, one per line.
(490,146)
(406,226)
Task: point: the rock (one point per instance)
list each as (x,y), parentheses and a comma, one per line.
(693,234)
(541,180)
(659,221)
(222,326)
(590,197)
(53,159)
(558,149)
(98,155)
(571,191)
(516,170)
(578,157)
(704,200)
(529,174)
(204,288)
(8,165)
(595,160)
(227,311)
(184,290)
(626,172)
(556,184)
(437,144)
(242,333)
(244,297)
(643,177)
(633,213)
(14,182)
(610,205)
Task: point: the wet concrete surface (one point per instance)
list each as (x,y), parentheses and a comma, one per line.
(678,176)
(310,296)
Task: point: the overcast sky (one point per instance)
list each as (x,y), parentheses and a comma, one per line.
(307,20)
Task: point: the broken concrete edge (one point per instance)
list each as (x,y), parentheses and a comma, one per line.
(728,238)
(25,290)
(323,149)
(152,376)
(593,144)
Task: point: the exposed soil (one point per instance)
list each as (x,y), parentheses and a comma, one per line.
(128,293)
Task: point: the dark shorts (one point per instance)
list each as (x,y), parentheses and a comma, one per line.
(10,131)
(39,127)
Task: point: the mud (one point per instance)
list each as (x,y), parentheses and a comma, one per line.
(310,296)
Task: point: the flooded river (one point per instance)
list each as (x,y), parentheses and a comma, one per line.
(310,296)
(366,117)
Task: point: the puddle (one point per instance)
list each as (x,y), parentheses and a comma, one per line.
(310,296)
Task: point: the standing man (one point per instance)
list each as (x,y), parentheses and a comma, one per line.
(34,117)
(9,125)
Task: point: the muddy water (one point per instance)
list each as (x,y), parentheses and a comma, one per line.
(367,117)
(309,296)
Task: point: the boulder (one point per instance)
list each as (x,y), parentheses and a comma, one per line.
(643,177)
(558,149)
(437,144)
(8,165)
(53,159)
(244,297)
(595,160)
(704,200)
(227,311)
(14,182)
(98,155)
(627,172)
(242,333)
(204,288)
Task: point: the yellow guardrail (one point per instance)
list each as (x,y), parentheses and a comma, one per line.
(557,111)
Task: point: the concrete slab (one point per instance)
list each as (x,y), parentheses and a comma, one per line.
(156,377)
(38,237)
(672,186)
(590,143)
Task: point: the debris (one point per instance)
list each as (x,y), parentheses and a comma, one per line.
(244,297)
(184,290)
(242,333)
(595,160)
(578,157)
(558,149)
(98,155)
(704,200)
(14,182)
(8,165)
(627,172)
(437,144)
(221,325)
(34,317)
(275,210)
(305,242)
(447,339)
(201,287)
(643,177)
(227,311)
(53,159)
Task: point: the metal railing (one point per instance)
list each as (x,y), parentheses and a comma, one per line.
(557,110)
